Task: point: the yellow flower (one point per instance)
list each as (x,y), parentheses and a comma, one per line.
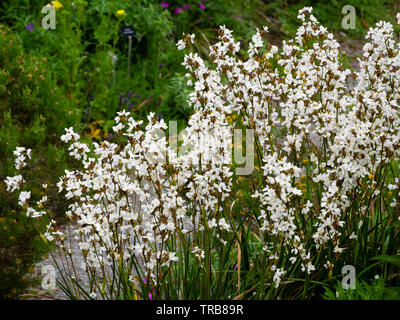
(56,4)
(120,12)
(371,176)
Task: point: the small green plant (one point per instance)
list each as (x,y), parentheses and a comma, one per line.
(365,290)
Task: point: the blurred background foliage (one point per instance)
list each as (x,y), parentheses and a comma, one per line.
(76,75)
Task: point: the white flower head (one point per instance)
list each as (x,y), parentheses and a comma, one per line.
(24,196)
(14,183)
(69,135)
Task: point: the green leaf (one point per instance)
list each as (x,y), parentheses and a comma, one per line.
(392,293)
(43,238)
(391,259)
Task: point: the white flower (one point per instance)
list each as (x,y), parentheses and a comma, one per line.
(278,276)
(114,57)
(199,253)
(69,135)
(353,236)
(187,38)
(24,196)
(223,224)
(337,249)
(14,183)
(118,127)
(181,45)
(20,153)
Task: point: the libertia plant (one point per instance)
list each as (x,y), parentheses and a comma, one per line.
(165,220)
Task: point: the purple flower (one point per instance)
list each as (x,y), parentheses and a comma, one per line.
(150,296)
(29,27)
(164,4)
(186,6)
(177,10)
(235,268)
(202,6)
(215,250)
(126,100)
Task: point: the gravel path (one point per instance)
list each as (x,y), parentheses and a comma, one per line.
(38,293)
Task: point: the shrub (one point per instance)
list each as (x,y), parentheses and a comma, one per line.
(32,110)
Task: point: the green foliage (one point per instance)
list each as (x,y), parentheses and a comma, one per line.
(33,114)
(375,290)
(87,33)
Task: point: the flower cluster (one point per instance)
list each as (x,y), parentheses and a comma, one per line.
(21,154)
(337,133)
(314,121)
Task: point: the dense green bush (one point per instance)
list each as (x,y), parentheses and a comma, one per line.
(33,112)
